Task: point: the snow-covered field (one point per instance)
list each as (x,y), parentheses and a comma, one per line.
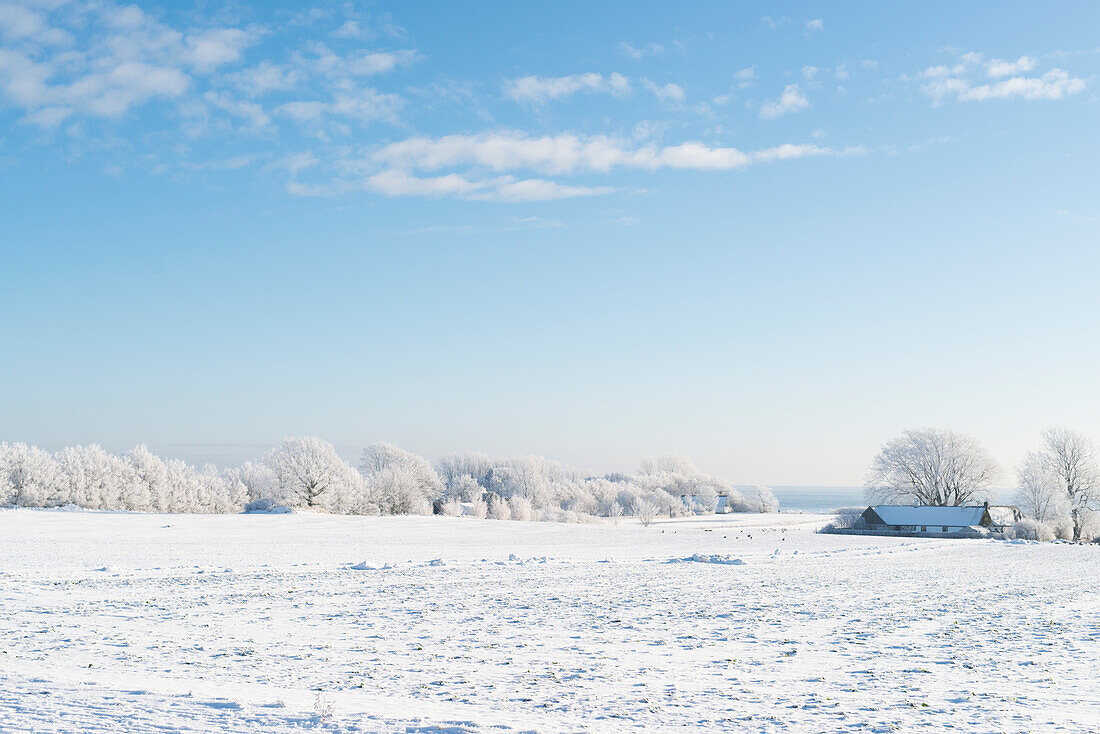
(120,622)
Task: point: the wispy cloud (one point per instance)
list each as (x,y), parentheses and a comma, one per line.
(963,80)
(540,90)
(500,188)
(791,100)
(569,153)
(668,93)
(999,67)
(637,53)
(815,25)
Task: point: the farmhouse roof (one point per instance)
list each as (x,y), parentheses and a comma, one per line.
(929,515)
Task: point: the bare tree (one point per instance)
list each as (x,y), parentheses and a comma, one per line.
(932,467)
(1072,458)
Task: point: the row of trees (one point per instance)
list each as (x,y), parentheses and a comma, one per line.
(1059,482)
(308,473)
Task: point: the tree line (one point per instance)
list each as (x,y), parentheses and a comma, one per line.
(307,473)
(1058,482)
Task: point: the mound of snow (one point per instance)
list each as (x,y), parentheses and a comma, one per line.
(709,558)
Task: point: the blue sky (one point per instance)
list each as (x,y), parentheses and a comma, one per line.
(769,236)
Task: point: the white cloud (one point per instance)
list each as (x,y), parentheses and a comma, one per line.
(19,22)
(958,81)
(124,58)
(815,25)
(500,188)
(400,183)
(264,78)
(809,72)
(534,189)
(362,28)
(295,163)
(352,29)
(364,105)
(250,112)
(569,153)
(210,49)
(792,100)
(638,53)
(997,67)
(326,62)
(539,90)
(370,63)
(302,111)
(668,93)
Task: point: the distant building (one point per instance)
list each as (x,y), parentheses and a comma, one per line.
(933,520)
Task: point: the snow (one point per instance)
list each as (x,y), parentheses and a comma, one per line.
(197,623)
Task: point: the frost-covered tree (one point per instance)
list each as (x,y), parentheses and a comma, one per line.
(1068,461)
(92,478)
(646,510)
(759,499)
(224,492)
(464,488)
(400,482)
(457,468)
(932,467)
(309,473)
(151,472)
(28,475)
(259,481)
(679,485)
(1040,495)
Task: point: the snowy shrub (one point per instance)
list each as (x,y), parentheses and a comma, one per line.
(761,499)
(266,506)
(498,508)
(397,490)
(477,508)
(520,508)
(1029,529)
(1090,525)
(452,508)
(646,511)
(847,517)
(399,482)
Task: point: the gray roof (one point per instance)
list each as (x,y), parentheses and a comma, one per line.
(928,515)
